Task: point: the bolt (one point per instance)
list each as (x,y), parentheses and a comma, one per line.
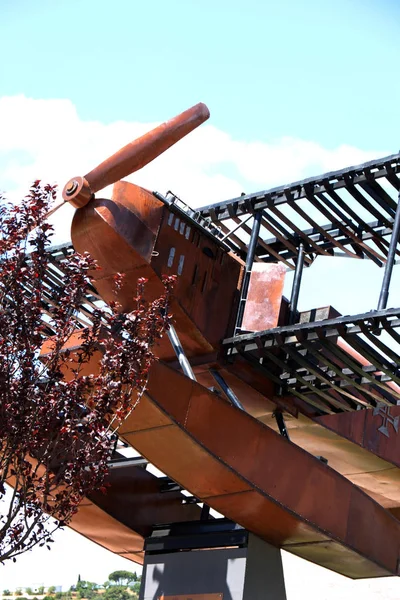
(71,187)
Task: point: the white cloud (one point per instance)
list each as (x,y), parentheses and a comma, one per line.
(46,139)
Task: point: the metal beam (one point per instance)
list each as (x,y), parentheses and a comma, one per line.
(384,295)
(294,298)
(249,265)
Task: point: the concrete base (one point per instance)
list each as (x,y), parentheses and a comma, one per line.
(251,573)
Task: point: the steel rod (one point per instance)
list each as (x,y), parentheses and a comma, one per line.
(180,353)
(251,251)
(226,389)
(281,424)
(294,298)
(384,295)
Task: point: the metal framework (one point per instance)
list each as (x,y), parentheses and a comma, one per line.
(54,282)
(342,213)
(334,365)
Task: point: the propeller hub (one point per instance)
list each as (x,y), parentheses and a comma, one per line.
(77,192)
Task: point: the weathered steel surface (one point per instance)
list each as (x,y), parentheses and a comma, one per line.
(120,519)
(140,152)
(259,479)
(135,498)
(121,234)
(207,276)
(95,524)
(264,298)
(135,155)
(377,476)
(376,430)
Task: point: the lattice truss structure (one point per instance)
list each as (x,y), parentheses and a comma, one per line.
(338,364)
(54,281)
(335,365)
(348,212)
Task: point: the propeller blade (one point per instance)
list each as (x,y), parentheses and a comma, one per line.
(54,209)
(140,152)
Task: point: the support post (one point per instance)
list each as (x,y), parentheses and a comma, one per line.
(294,297)
(384,295)
(226,389)
(281,424)
(251,251)
(212,559)
(180,353)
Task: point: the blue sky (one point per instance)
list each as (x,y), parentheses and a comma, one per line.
(324,71)
(294,89)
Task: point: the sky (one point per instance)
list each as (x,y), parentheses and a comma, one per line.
(294,89)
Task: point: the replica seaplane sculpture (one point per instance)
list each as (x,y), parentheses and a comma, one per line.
(284,422)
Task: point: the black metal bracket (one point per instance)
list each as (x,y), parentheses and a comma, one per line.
(280,421)
(193,535)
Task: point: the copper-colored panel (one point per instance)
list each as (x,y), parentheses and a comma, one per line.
(375,430)
(335,557)
(206,275)
(176,392)
(350,425)
(384,483)
(143,150)
(377,477)
(268,519)
(145,416)
(137,557)
(264,297)
(97,525)
(243,370)
(174,453)
(294,485)
(120,241)
(343,454)
(367,530)
(381,433)
(145,206)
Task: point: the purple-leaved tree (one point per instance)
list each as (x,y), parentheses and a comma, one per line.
(56,432)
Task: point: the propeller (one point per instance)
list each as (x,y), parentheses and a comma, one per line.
(78,191)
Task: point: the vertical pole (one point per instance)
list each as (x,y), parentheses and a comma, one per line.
(294,297)
(384,295)
(251,251)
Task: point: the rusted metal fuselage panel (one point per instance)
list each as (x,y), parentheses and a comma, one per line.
(135,234)
(207,276)
(259,479)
